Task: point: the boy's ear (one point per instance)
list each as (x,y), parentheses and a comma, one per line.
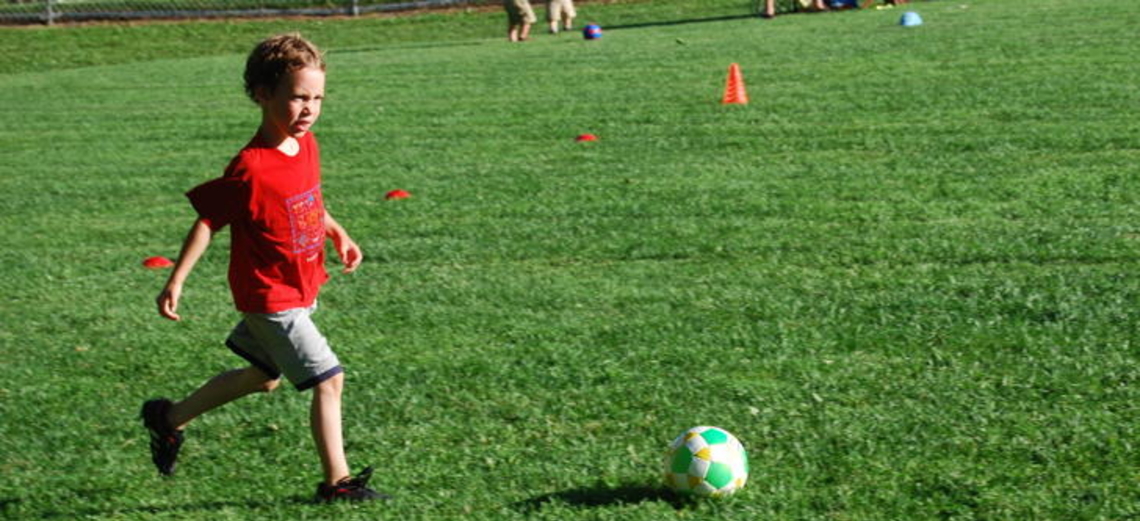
(261,93)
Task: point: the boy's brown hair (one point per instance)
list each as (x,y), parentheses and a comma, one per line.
(277,56)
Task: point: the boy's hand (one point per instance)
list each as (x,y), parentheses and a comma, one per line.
(196,242)
(346,248)
(168,302)
(349,254)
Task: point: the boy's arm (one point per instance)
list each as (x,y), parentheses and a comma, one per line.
(346,248)
(192,249)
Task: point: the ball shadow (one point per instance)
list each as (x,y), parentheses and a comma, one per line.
(604,496)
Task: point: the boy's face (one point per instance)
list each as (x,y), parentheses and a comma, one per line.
(294,106)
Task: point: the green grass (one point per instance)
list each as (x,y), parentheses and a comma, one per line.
(904,275)
(41,48)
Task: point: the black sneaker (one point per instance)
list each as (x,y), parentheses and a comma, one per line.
(350,489)
(165,440)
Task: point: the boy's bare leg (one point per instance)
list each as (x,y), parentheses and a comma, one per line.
(524,32)
(769,8)
(220,390)
(324,416)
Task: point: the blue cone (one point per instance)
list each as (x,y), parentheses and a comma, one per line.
(910,19)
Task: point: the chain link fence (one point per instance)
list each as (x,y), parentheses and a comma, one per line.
(52,11)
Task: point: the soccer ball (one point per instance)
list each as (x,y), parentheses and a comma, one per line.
(707,461)
(592,32)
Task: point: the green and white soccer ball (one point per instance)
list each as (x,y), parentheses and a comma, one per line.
(707,461)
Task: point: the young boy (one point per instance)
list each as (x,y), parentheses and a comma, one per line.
(813,5)
(520,16)
(560,11)
(270,197)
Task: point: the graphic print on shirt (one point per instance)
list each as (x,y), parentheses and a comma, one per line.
(306,219)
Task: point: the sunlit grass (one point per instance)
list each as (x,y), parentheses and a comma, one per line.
(903,275)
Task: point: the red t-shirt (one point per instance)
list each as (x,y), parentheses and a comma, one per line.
(272,204)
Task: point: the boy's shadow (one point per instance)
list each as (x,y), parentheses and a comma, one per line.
(603,496)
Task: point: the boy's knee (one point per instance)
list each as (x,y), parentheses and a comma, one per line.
(269,386)
(332,384)
(259,381)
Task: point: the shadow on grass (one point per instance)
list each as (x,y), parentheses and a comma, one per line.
(484,41)
(189,508)
(603,496)
(682,22)
(7,502)
(408,45)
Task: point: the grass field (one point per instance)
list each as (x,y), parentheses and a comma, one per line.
(905,275)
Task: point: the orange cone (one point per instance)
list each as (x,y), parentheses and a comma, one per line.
(734,87)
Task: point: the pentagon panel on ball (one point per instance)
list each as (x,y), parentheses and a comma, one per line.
(706,461)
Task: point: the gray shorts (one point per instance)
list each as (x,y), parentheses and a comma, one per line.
(286,343)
